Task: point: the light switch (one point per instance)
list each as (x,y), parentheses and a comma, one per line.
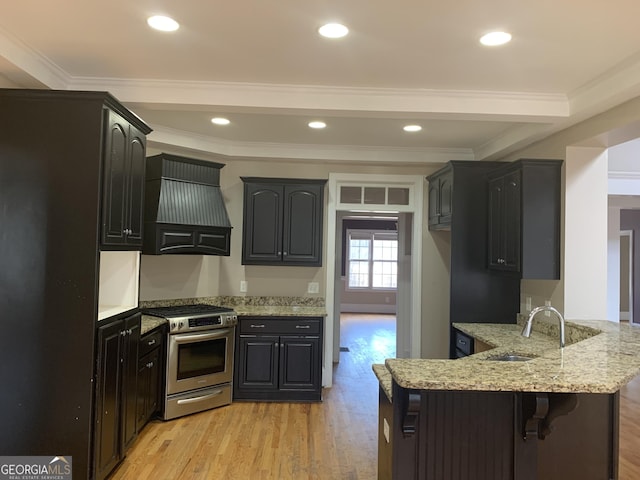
(547,303)
(313,287)
(243,286)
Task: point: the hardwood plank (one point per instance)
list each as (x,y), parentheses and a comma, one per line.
(629,466)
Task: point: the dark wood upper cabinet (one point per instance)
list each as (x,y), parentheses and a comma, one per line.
(524,219)
(440,207)
(123,183)
(282,222)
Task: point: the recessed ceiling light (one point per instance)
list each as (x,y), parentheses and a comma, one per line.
(333,30)
(220,121)
(412,128)
(162,23)
(493,39)
(317,124)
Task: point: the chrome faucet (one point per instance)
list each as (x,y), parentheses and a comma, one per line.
(526,331)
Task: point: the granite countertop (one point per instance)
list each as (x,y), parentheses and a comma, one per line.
(255,306)
(280,310)
(600,357)
(149,322)
(386,381)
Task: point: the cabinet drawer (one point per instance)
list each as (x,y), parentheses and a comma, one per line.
(280,326)
(464,343)
(150,341)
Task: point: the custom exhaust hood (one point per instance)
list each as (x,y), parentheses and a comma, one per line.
(184,209)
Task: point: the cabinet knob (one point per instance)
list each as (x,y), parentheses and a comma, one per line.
(285,254)
(276,344)
(150,364)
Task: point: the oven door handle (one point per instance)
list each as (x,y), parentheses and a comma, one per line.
(199,399)
(201,337)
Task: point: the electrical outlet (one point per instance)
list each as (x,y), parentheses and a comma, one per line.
(243,286)
(313,287)
(527,305)
(547,303)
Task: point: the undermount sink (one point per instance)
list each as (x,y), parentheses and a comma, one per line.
(510,357)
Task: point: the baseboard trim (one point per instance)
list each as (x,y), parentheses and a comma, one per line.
(367,308)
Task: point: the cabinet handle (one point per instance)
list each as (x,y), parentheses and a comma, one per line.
(150,364)
(257,326)
(129,332)
(303,326)
(462,342)
(123,333)
(151,342)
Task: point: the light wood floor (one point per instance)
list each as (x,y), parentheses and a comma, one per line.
(332,440)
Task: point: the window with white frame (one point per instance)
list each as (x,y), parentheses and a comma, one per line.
(372,260)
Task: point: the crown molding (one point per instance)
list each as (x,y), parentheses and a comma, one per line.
(470,105)
(621,175)
(32,62)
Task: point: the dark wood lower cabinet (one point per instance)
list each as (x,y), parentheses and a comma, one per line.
(278,358)
(151,365)
(116,389)
(447,435)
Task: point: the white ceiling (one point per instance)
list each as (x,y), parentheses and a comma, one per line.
(262,64)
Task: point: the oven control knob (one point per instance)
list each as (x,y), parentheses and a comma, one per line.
(180,325)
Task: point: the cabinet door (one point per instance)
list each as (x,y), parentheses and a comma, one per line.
(258,363)
(446,198)
(135,188)
(131,343)
(108,450)
(262,224)
(511,222)
(495,219)
(299,363)
(115,183)
(148,387)
(302,234)
(434,201)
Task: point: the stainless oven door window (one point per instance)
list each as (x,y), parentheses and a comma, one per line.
(198,360)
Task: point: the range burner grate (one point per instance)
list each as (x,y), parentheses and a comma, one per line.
(184,310)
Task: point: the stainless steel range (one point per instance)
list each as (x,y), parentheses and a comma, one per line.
(199,367)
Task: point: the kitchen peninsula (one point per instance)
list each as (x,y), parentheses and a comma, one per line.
(552,417)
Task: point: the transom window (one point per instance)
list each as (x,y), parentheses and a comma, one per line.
(372,260)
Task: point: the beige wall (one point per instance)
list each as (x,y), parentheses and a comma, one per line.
(169,276)
(6,83)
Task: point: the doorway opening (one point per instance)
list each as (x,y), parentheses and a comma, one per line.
(368,264)
(398,196)
(626,276)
